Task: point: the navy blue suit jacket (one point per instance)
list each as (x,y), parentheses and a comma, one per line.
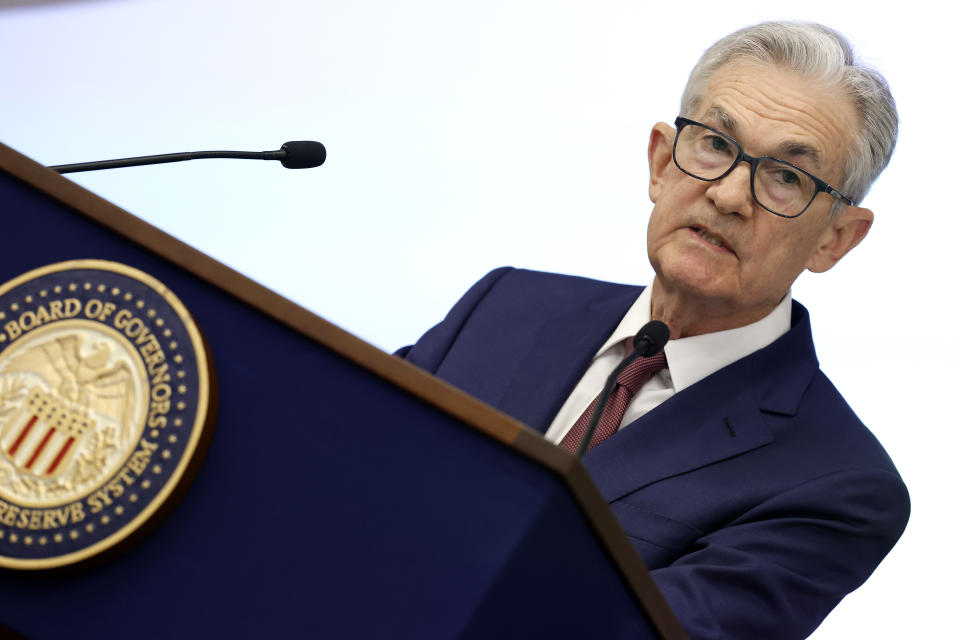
(756,496)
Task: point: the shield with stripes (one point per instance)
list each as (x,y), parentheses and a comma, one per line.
(42,436)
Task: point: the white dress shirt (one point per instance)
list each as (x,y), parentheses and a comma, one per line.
(689,360)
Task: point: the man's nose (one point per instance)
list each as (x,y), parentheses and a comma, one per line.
(732,193)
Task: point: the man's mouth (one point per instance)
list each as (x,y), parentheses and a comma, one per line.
(712,239)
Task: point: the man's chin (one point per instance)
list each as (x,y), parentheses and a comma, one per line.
(695,279)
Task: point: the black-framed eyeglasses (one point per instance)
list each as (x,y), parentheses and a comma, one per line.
(781,188)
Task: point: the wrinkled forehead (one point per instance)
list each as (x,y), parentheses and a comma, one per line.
(776,112)
(794,150)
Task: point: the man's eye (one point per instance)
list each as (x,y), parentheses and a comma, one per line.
(719,144)
(788,177)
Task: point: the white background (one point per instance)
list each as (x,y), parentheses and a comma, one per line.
(467,135)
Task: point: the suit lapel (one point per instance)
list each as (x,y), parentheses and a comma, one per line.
(720,417)
(710,421)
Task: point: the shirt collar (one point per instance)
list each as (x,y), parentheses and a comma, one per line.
(693,359)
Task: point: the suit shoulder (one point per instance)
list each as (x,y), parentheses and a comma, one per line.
(513,303)
(842,428)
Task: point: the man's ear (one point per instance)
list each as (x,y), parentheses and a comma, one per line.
(844,232)
(660,156)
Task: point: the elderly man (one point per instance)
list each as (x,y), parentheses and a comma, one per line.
(752,491)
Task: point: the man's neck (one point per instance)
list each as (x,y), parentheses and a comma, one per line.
(692,316)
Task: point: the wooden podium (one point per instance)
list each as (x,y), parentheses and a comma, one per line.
(344,494)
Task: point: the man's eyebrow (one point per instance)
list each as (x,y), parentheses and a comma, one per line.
(791,150)
(724,119)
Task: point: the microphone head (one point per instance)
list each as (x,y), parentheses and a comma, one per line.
(303,154)
(654,336)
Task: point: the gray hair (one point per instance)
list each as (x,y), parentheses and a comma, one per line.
(819,52)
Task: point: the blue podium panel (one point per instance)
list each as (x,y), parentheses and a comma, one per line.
(331,502)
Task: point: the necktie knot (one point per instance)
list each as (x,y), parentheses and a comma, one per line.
(640,371)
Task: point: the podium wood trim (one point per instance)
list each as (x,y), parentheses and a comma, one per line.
(415,381)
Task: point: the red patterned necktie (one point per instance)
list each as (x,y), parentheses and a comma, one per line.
(628,383)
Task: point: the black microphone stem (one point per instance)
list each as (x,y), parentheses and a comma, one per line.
(167,157)
(650,340)
(605,397)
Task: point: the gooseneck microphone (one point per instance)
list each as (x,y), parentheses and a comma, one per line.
(299,154)
(649,341)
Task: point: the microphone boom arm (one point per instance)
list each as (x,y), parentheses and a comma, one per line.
(649,341)
(163,158)
(300,154)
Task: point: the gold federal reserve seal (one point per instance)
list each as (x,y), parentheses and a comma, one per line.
(105,407)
